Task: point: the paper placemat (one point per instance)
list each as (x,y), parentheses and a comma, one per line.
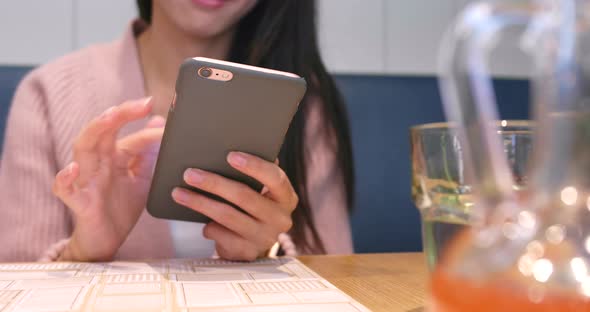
(277,285)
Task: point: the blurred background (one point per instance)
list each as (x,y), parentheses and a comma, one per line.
(382,52)
(356,36)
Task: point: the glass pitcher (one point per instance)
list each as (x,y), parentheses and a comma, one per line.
(531,252)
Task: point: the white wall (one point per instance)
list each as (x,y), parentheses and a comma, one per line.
(33,31)
(37,31)
(413,30)
(101,20)
(352,36)
(398,37)
(356,36)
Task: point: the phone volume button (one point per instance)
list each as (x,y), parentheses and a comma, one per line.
(173,104)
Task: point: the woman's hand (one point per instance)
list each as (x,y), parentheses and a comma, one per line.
(105,186)
(237,235)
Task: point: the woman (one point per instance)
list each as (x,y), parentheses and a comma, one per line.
(68,115)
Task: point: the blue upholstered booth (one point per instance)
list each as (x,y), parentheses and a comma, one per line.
(381,109)
(9,79)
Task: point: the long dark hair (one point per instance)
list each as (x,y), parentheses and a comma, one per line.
(282,35)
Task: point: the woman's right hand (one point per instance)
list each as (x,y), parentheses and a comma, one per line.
(107,183)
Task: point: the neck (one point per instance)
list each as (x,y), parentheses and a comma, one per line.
(163,47)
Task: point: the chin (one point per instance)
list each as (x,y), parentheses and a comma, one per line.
(204,18)
(205,26)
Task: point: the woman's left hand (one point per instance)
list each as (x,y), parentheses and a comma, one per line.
(237,235)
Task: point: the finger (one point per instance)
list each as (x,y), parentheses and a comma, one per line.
(229,245)
(110,121)
(90,135)
(140,141)
(63,185)
(137,153)
(98,138)
(85,149)
(221,213)
(235,192)
(265,188)
(267,173)
(156,122)
(122,115)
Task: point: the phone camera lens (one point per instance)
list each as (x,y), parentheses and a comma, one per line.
(205,72)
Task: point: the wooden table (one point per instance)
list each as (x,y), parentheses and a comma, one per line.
(382,282)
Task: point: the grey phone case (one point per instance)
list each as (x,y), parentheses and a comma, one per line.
(250,113)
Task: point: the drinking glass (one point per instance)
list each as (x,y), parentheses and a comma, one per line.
(440,188)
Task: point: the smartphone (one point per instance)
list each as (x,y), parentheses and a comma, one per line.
(220,107)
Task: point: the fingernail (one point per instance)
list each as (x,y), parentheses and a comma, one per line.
(107,113)
(70,169)
(237,159)
(194,176)
(147,100)
(180,195)
(157,122)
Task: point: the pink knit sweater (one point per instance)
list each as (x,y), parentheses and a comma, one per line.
(49,109)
